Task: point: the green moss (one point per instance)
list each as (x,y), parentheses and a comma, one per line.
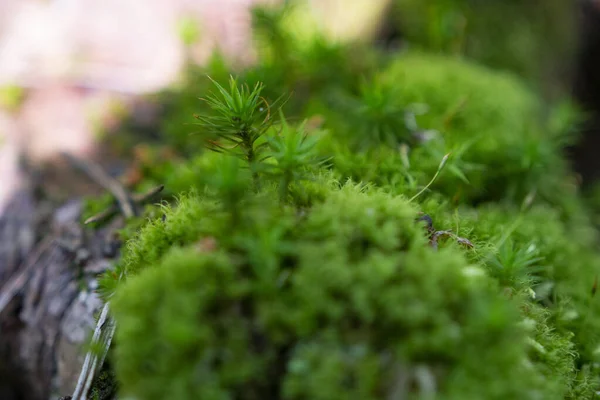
(528,44)
(334,304)
(104,386)
(552,264)
(489,122)
(226,291)
(553,352)
(567,267)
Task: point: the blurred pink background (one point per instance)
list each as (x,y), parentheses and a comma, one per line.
(73,58)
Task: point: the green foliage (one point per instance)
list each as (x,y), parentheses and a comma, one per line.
(534,45)
(374,117)
(336,291)
(242,117)
(490,123)
(103,387)
(553,352)
(561,266)
(157,236)
(229,184)
(292,151)
(516,267)
(332,305)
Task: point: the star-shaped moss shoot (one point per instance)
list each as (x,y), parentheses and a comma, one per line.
(241,116)
(291,153)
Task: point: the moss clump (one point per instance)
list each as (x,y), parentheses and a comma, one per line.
(104,386)
(278,276)
(330,305)
(535,48)
(489,121)
(563,260)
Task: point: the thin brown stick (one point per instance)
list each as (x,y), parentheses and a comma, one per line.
(110,211)
(141,198)
(107,182)
(137,199)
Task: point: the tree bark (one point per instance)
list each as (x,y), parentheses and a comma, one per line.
(48,270)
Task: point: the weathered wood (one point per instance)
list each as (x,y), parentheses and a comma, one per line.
(49,300)
(17,233)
